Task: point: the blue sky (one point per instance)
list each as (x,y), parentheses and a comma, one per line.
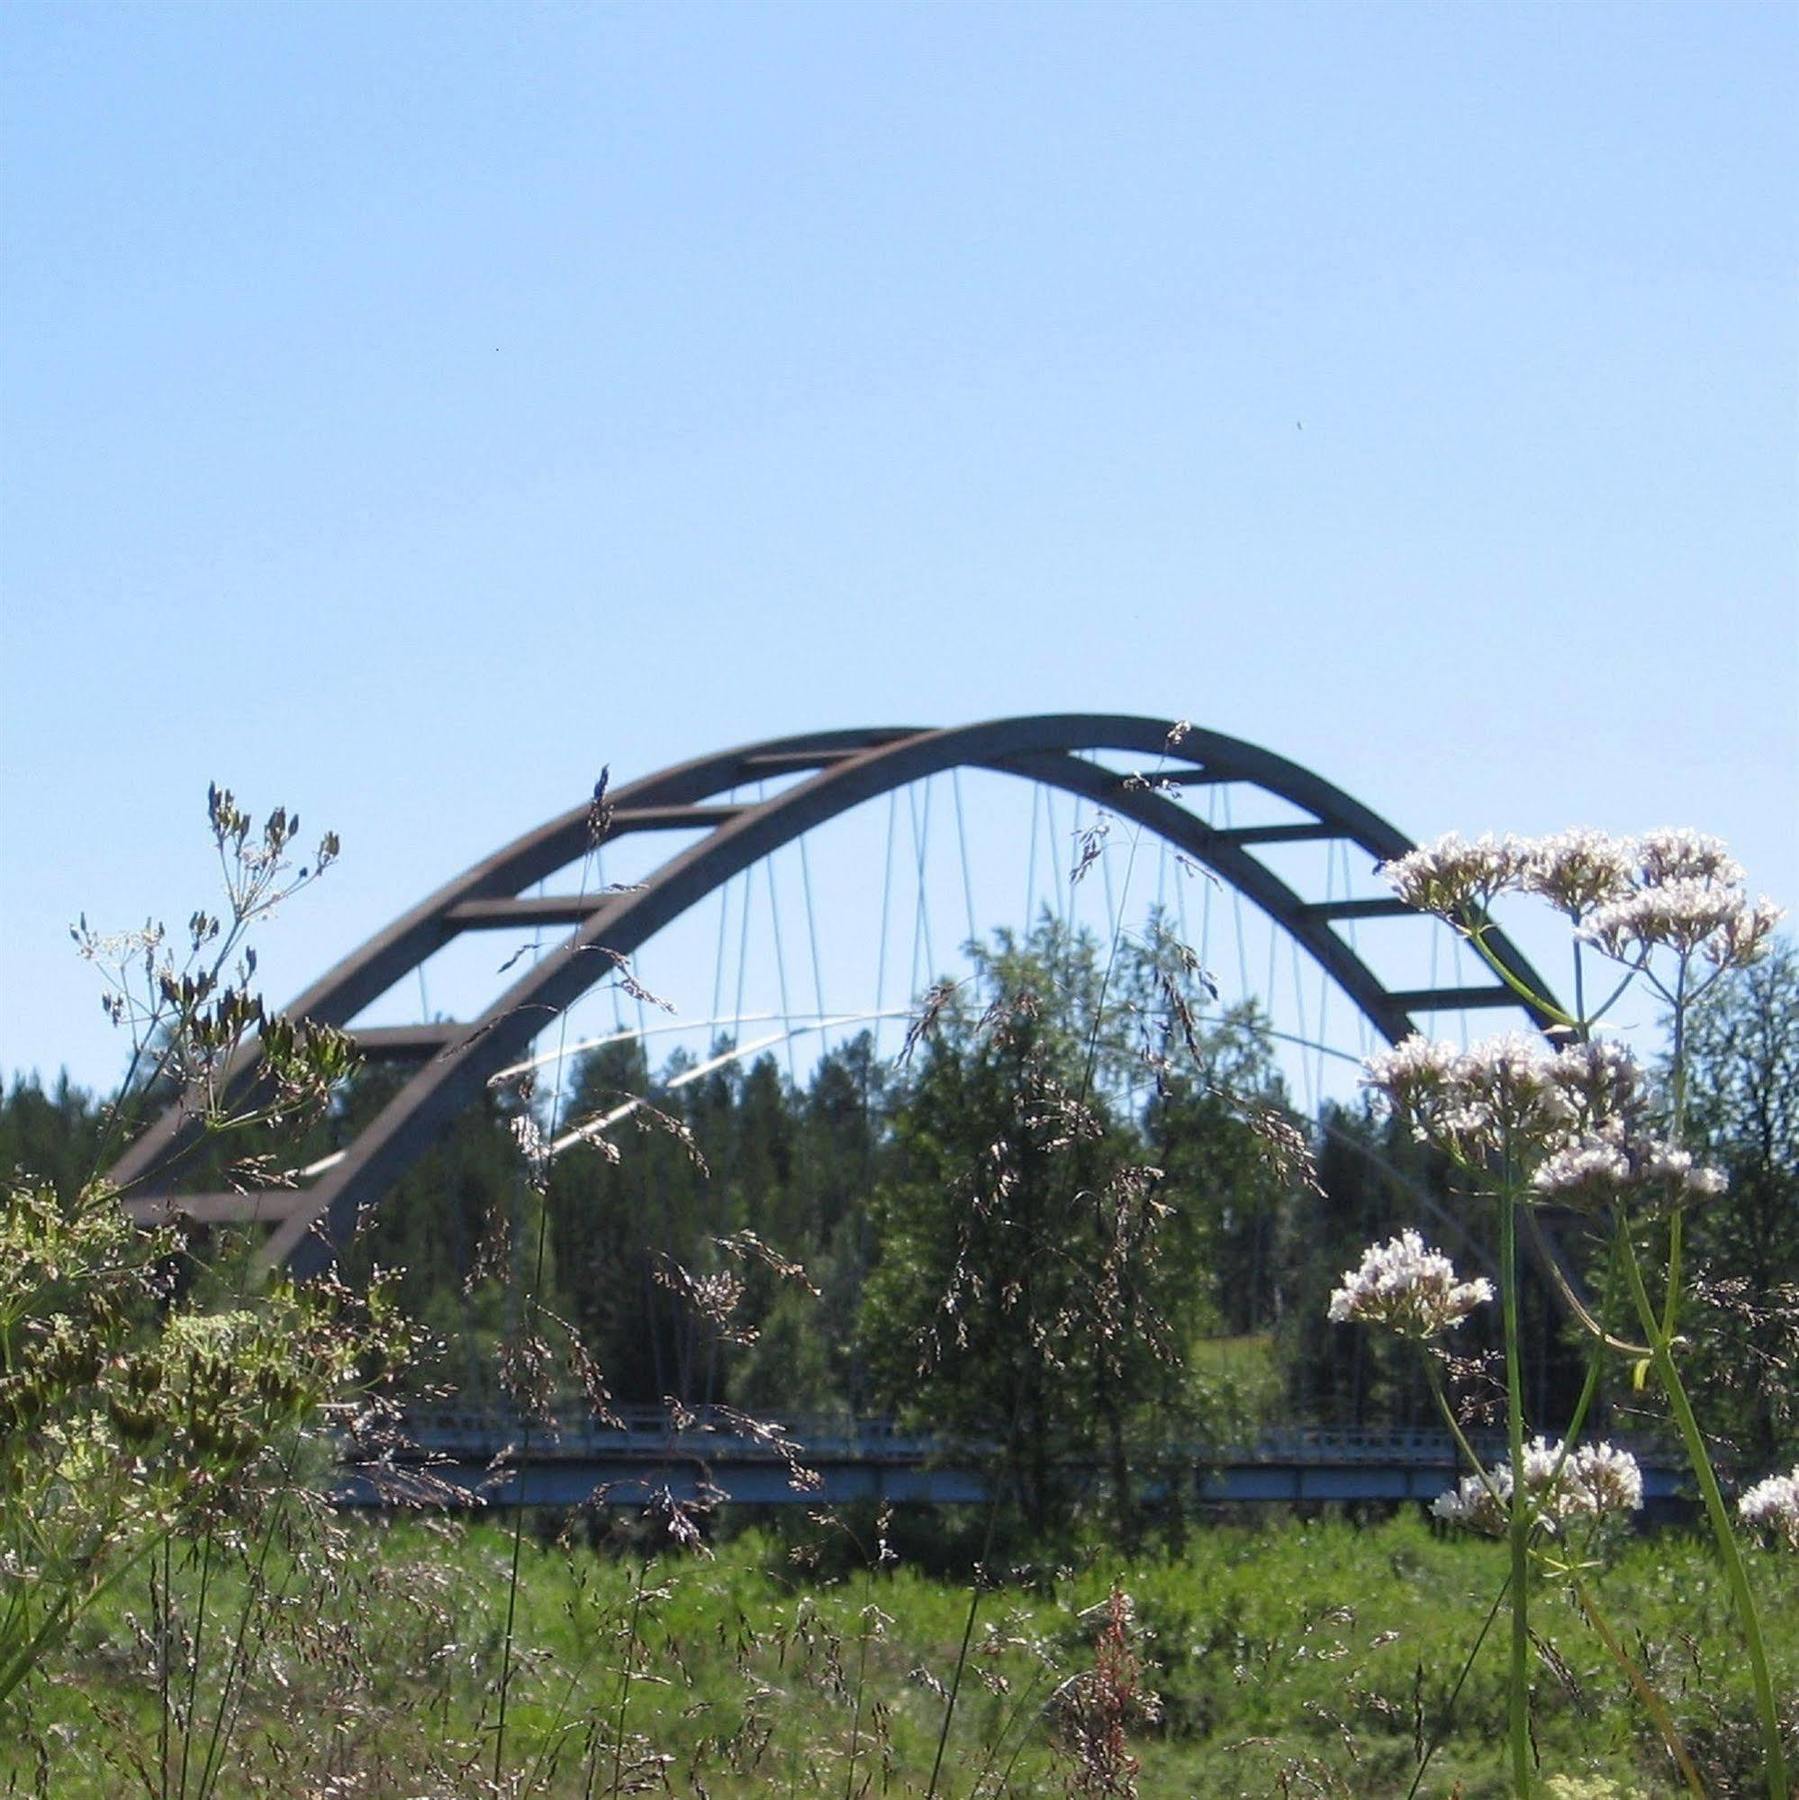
(409,408)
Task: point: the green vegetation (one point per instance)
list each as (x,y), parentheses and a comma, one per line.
(1292,1657)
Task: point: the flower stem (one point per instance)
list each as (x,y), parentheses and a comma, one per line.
(1653,1703)
(1455,1693)
(1519,1523)
(624,1681)
(1538,1003)
(1669,1376)
(1434,1376)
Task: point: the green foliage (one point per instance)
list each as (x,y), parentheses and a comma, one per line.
(1076,1229)
(145,1400)
(52,1136)
(127,1419)
(1304,1655)
(1742,1099)
(1040,1281)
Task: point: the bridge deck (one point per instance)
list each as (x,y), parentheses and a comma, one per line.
(474,1458)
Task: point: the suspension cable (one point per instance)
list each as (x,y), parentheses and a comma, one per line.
(818,981)
(886,908)
(743,941)
(774,920)
(974,931)
(921,922)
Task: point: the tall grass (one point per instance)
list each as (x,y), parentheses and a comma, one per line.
(1318,1653)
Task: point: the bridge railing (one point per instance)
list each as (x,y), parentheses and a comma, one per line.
(710,1433)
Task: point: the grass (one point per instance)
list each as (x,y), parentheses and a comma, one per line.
(1292,1657)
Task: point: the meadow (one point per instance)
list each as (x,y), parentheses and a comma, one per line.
(1296,1656)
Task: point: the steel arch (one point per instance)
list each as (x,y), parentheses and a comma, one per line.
(840,770)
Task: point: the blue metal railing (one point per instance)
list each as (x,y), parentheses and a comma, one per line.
(712,1434)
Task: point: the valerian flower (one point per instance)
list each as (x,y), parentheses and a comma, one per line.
(1409,1289)
(1578,870)
(1686,895)
(1597,1481)
(1677,853)
(1600,1481)
(1452,876)
(1496,1097)
(1673,889)
(1603,1082)
(1609,1167)
(1689,916)
(1773,1506)
(1576,1118)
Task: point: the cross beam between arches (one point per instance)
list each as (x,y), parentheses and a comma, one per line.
(837,771)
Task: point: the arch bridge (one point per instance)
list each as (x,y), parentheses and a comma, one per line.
(1144,771)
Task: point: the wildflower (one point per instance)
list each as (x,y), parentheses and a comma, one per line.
(1601,1479)
(1681,854)
(1475,1506)
(1495,1098)
(1096,1707)
(1595,1172)
(1409,1289)
(1687,916)
(1686,894)
(1452,876)
(1579,870)
(1745,935)
(1416,1075)
(1773,1506)
(1602,1082)
(1597,1481)
(1513,1088)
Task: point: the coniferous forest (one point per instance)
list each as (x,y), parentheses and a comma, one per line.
(1159,1271)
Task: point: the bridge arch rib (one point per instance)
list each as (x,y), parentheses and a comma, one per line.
(837,771)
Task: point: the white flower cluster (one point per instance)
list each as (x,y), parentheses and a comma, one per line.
(1473,1103)
(1578,870)
(1453,875)
(1591,1173)
(1681,854)
(1575,1116)
(1688,917)
(1629,896)
(1773,1506)
(1404,1286)
(1597,1481)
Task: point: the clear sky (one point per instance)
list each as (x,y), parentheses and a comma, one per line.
(408,408)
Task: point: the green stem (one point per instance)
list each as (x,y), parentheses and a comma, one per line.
(165,1625)
(849,1779)
(24,1659)
(1519,1520)
(955,1684)
(1434,1377)
(1541,1003)
(1577,1308)
(1026,1710)
(193,1672)
(253,1593)
(1678,1131)
(63,1613)
(1455,1693)
(1694,1439)
(624,1684)
(1653,1703)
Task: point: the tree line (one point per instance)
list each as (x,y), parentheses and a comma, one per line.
(1075,1218)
